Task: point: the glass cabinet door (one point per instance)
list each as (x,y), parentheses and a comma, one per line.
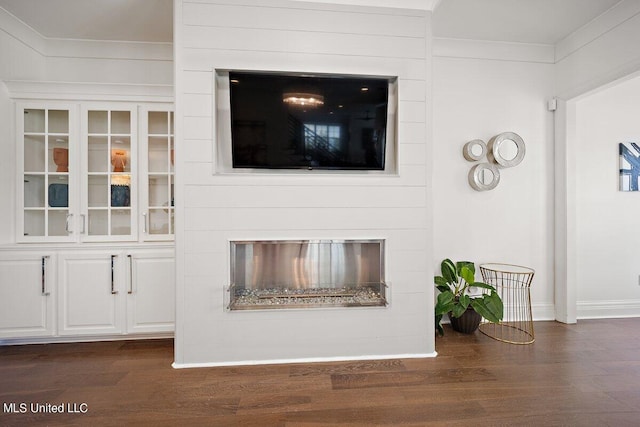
(46,162)
(109,190)
(158,223)
(94,172)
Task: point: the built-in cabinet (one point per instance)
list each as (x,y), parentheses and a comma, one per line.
(91,175)
(88,292)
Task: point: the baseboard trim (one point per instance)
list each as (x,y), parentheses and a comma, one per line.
(176,365)
(608,309)
(88,338)
(543,311)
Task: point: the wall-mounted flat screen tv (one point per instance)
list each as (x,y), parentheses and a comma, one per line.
(283,121)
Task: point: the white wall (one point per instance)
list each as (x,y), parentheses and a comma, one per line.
(608,273)
(477,99)
(109,62)
(591,58)
(216,208)
(7,175)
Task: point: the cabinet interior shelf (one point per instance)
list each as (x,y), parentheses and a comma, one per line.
(109,173)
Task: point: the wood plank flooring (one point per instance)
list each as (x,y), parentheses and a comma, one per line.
(573,375)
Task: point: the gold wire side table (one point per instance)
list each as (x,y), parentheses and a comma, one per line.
(513,284)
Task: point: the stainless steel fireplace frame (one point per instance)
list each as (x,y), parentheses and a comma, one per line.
(301,274)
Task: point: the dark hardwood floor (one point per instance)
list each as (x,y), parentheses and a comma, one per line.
(573,375)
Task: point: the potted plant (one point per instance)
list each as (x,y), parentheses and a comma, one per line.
(465,310)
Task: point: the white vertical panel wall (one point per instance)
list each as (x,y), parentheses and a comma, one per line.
(216,208)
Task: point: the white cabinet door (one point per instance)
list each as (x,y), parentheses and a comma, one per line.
(94,172)
(151,292)
(47,171)
(157,175)
(90,301)
(109,169)
(27,290)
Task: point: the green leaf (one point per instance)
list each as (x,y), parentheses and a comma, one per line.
(495,305)
(443,288)
(439,327)
(448,269)
(467,274)
(439,280)
(489,306)
(458,310)
(444,303)
(461,264)
(464,301)
(482,285)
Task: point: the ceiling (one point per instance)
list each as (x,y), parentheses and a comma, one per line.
(130,20)
(522,21)
(525,21)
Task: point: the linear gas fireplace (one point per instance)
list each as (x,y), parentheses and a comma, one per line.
(280,274)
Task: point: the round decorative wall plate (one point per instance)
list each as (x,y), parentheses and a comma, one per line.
(506,149)
(474,150)
(484,177)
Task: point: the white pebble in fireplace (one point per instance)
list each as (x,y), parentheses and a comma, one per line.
(286,274)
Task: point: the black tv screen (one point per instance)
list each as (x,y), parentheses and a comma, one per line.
(312,122)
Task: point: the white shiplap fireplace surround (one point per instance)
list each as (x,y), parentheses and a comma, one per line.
(216,206)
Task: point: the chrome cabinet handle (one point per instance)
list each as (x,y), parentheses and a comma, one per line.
(113,291)
(66,223)
(130,274)
(144,222)
(44,275)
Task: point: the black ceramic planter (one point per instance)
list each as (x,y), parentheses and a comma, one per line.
(467,323)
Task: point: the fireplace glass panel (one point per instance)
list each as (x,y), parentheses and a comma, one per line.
(307,273)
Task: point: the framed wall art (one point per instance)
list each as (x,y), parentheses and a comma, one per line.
(629,166)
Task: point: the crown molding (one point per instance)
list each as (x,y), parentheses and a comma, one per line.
(76,48)
(20,31)
(492,50)
(428,5)
(608,21)
(45,90)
